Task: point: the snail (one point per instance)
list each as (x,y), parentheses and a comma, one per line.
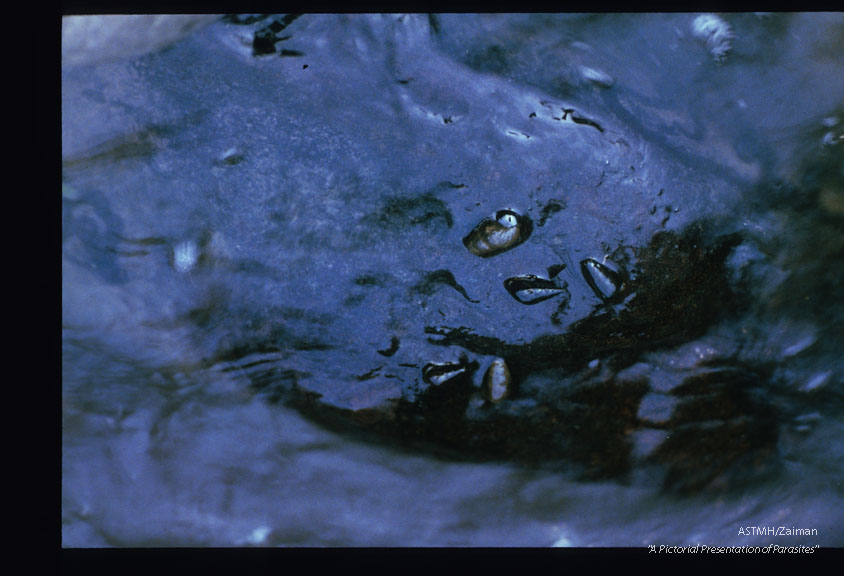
(506,230)
(604,281)
(438,373)
(496,385)
(531,289)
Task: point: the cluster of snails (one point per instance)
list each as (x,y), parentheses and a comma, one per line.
(499,233)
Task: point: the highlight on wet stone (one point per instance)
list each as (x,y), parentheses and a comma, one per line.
(715,33)
(185,255)
(506,230)
(604,281)
(531,289)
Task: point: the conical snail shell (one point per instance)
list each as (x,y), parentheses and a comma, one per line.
(495,235)
(603,280)
(531,289)
(436,373)
(497,380)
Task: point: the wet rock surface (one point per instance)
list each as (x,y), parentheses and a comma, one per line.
(431,237)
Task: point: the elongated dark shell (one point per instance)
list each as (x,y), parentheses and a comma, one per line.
(604,281)
(532,289)
(495,235)
(437,373)
(497,380)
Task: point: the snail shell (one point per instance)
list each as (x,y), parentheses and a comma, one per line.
(531,289)
(495,235)
(497,380)
(604,281)
(437,373)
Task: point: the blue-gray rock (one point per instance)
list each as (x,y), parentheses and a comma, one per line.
(354,210)
(92,39)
